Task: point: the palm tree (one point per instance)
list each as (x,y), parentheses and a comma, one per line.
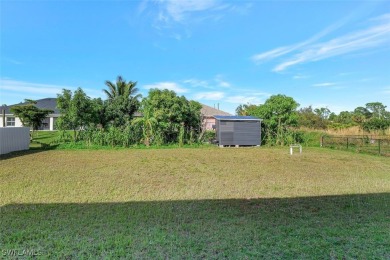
(148,123)
(121,88)
(122,101)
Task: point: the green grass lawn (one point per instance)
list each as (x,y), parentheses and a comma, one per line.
(43,138)
(195,203)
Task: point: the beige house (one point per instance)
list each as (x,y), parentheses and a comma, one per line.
(209,114)
(47,124)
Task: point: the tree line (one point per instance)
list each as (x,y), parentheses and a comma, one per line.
(281,118)
(124,118)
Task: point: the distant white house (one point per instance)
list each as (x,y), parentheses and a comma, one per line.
(48,123)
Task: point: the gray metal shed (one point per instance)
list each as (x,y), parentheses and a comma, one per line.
(238,130)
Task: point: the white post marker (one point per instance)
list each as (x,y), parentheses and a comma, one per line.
(295,146)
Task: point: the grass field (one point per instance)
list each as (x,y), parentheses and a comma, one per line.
(43,139)
(195,203)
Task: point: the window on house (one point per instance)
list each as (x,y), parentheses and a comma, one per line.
(10,121)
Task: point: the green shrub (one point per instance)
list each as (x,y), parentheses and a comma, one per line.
(209,136)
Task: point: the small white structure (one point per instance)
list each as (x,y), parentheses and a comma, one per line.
(295,146)
(14,139)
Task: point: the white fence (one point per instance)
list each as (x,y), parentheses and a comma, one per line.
(14,139)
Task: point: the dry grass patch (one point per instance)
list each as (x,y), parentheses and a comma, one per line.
(187,174)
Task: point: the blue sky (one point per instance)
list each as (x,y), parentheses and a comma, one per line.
(333,54)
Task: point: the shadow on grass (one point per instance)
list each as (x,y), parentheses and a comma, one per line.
(350,226)
(31,150)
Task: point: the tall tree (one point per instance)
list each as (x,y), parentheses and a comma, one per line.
(278,114)
(147,123)
(121,88)
(379,119)
(242,110)
(332,117)
(345,117)
(361,115)
(99,112)
(362,111)
(322,112)
(307,118)
(122,101)
(77,111)
(174,118)
(30,115)
(377,109)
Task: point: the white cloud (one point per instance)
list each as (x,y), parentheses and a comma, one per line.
(262,94)
(177,36)
(372,37)
(221,82)
(28,87)
(213,95)
(386,91)
(216,83)
(325,84)
(381,17)
(272,54)
(176,15)
(177,9)
(224,84)
(300,77)
(345,73)
(142,6)
(9,85)
(243,99)
(196,83)
(289,63)
(167,85)
(367,79)
(15,62)
(10,88)
(310,51)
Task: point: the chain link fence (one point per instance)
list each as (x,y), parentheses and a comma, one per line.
(363,144)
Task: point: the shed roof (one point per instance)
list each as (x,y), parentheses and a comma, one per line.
(237,118)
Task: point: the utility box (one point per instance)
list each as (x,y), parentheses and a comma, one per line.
(238,130)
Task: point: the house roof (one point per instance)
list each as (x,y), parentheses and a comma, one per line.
(237,118)
(210,111)
(45,103)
